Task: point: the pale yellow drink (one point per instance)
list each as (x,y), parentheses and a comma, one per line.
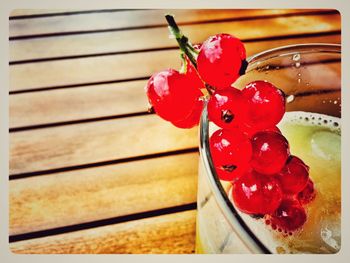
(315,138)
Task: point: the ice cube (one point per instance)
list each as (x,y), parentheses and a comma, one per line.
(326,145)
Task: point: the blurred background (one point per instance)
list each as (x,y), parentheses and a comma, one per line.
(90,170)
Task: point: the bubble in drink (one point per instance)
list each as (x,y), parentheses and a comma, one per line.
(296,57)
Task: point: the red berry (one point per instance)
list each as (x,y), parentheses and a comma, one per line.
(254,193)
(231,152)
(251,131)
(266,104)
(270,152)
(225,108)
(194,77)
(193,119)
(289,216)
(220,60)
(294,175)
(172,95)
(308,193)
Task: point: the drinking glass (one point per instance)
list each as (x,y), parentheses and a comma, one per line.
(309,75)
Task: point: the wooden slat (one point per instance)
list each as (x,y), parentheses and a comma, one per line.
(77,103)
(85,143)
(117,67)
(86,195)
(125,19)
(131,40)
(62,105)
(170,234)
(95,69)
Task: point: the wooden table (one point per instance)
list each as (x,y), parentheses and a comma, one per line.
(90,170)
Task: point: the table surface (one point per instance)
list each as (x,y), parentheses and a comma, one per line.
(90,170)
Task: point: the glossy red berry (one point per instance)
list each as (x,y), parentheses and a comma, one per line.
(193,119)
(226,108)
(172,95)
(289,216)
(270,152)
(254,193)
(231,152)
(220,60)
(294,175)
(251,131)
(266,104)
(308,193)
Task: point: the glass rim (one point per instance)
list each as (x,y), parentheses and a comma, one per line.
(290,49)
(252,242)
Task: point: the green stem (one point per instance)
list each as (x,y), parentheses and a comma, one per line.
(184,44)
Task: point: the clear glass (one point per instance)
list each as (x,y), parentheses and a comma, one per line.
(310,76)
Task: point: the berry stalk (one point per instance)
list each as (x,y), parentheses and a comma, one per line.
(184,44)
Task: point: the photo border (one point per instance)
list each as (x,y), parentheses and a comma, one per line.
(5,8)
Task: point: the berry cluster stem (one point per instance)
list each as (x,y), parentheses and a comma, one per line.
(185,46)
(183,42)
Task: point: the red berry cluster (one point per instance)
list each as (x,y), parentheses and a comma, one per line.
(251,152)
(177,97)
(248,150)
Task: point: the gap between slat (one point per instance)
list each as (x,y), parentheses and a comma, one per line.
(170,234)
(19,17)
(103,222)
(78,85)
(247,40)
(135,114)
(97,164)
(55,124)
(146,77)
(307,13)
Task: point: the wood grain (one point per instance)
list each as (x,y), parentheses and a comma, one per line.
(85,143)
(90,70)
(125,19)
(86,195)
(76,196)
(54,106)
(167,234)
(114,67)
(141,39)
(62,105)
